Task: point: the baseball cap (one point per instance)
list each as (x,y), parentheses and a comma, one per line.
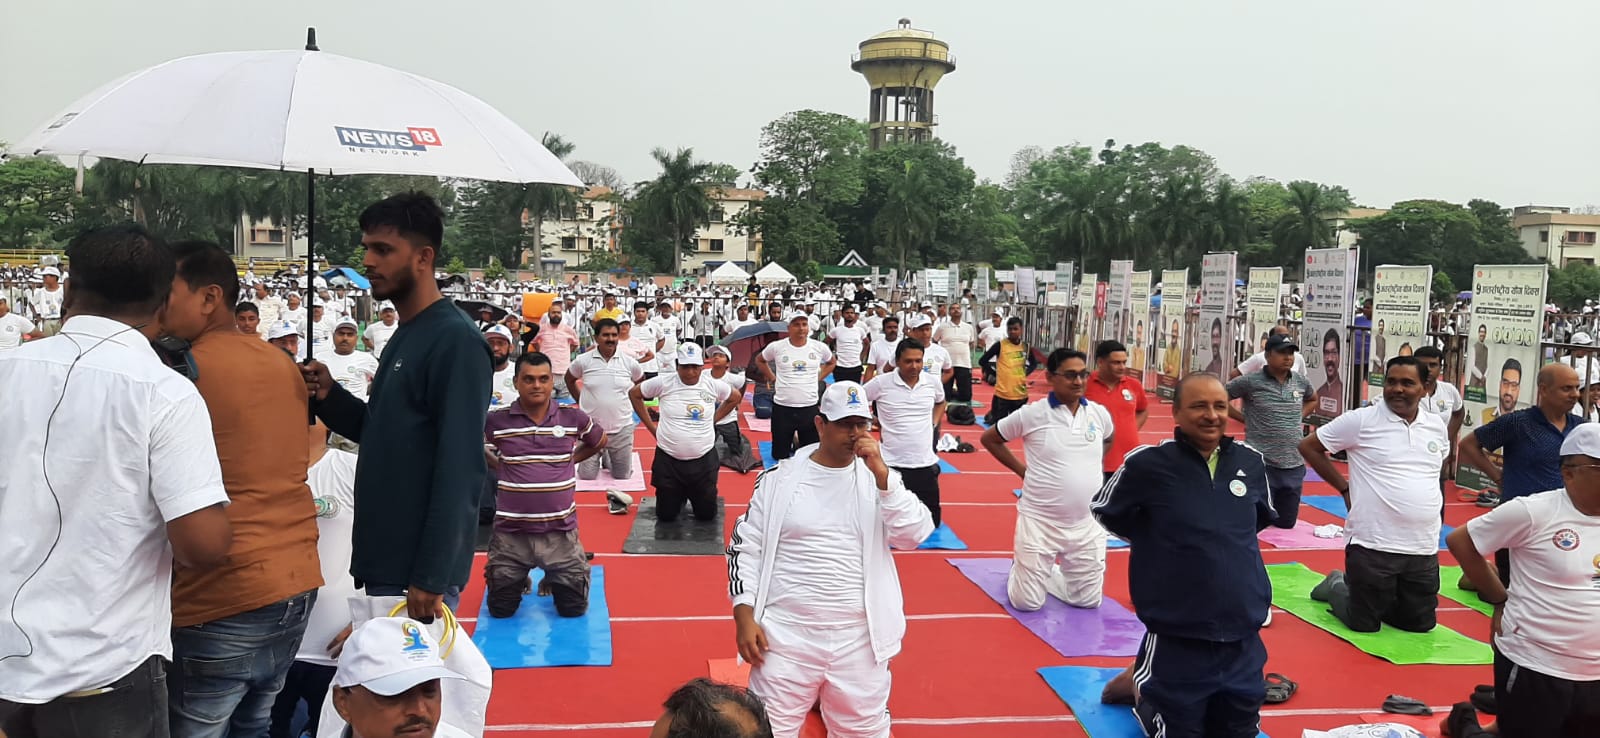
(844,400)
(283,330)
(1584,439)
(385,305)
(1582,339)
(388,656)
(917,320)
(799,316)
(689,355)
(625,319)
(927,304)
(1280,342)
(346,322)
(50,272)
(999,312)
(715,350)
(498,330)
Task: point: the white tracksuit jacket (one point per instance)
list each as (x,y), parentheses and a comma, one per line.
(906,523)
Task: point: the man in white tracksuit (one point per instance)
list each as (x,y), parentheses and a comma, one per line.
(1060,549)
(816,596)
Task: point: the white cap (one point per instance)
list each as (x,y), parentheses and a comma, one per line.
(927,304)
(843,400)
(799,316)
(347,321)
(714,349)
(917,320)
(999,312)
(388,656)
(282,330)
(624,319)
(1582,339)
(385,305)
(50,272)
(1584,439)
(498,330)
(689,355)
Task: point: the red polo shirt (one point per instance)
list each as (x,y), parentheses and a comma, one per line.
(1124,400)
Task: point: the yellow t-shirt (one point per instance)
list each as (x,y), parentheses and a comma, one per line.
(601,314)
(1010,382)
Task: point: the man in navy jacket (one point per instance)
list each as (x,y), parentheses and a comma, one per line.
(1190,509)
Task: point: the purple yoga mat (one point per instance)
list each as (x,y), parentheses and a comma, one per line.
(1108,630)
(1312,475)
(1299,536)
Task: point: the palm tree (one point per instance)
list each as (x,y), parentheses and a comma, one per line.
(1226,224)
(678,199)
(1174,217)
(1306,225)
(907,219)
(546,200)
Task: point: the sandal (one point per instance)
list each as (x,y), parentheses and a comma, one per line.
(1402,705)
(1280,688)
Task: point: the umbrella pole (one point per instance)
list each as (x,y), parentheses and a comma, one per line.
(311,268)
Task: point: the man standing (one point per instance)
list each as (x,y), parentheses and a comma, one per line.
(816,597)
(1059,549)
(936,361)
(667,328)
(352,369)
(1275,403)
(1258,360)
(378,334)
(908,405)
(608,308)
(286,336)
(86,570)
(417,499)
(503,384)
(686,462)
(1392,555)
(796,367)
(606,375)
(880,360)
(535,446)
(1547,659)
(742,318)
(644,331)
(956,337)
(1122,396)
(994,331)
(295,313)
(849,341)
(269,306)
(47,301)
(1194,505)
(1009,361)
(1479,374)
(1442,399)
(728,423)
(557,339)
(14,328)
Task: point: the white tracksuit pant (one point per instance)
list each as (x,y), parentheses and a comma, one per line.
(1068,562)
(836,666)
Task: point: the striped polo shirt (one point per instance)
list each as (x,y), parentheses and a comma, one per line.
(1273,413)
(538,478)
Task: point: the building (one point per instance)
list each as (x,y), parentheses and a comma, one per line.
(1343,236)
(1556,234)
(265,239)
(593,226)
(902,66)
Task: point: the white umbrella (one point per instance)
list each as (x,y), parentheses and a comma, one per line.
(305,111)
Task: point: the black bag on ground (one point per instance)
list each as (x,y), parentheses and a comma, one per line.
(960,415)
(742,459)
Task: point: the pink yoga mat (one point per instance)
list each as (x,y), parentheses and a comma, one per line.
(1299,536)
(604,482)
(759,425)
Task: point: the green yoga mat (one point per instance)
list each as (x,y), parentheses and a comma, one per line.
(1448,576)
(1291,591)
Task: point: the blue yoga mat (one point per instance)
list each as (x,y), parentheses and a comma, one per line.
(1334,505)
(944,537)
(946,467)
(765,447)
(1111,540)
(1079,687)
(536,636)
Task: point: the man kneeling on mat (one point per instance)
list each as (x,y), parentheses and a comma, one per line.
(1191,508)
(686,462)
(1392,556)
(536,445)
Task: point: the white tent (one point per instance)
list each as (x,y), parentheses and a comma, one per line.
(729,273)
(774,274)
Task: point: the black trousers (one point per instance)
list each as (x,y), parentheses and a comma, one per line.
(959,388)
(693,481)
(924,483)
(134,707)
(488,502)
(1000,407)
(1191,688)
(1400,590)
(789,422)
(705,341)
(1530,704)
(306,682)
(847,374)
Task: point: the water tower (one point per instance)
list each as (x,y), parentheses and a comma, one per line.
(902,66)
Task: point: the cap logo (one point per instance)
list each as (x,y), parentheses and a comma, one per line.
(412,638)
(852,396)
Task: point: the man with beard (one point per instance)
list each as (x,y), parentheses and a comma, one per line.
(557,339)
(503,385)
(880,358)
(418,484)
(1510,387)
(1330,396)
(1215,367)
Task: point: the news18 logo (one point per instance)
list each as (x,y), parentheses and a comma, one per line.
(409,142)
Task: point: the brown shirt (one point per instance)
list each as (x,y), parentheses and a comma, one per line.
(257,402)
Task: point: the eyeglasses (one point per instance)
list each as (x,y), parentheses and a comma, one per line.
(1074,376)
(1576,467)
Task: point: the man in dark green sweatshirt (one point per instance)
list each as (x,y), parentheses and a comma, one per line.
(421,430)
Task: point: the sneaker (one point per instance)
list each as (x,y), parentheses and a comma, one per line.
(1488,498)
(1323,591)
(618,501)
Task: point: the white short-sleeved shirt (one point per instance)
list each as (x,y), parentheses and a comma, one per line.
(687,427)
(47,303)
(736,381)
(849,341)
(934,359)
(605,388)
(646,336)
(1394,477)
(796,370)
(991,335)
(1548,624)
(12,328)
(1064,449)
(666,328)
(1445,401)
(503,386)
(882,355)
(1258,361)
(379,334)
(353,371)
(333,485)
(906,413)
(956,339)
(130,450)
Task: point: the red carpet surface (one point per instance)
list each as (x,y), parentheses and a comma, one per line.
(968,668)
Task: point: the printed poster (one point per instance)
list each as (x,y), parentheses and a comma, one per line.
(1086,308)
(1117,325)
(1174,300)
(1329,305)
(1399,315)
(1138,314)
(1262,301)
(1502,348)
(980,284)
(1027,287)
(1213,350)
(1064,277)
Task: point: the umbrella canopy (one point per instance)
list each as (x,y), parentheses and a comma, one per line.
(748,341)
(346,277)
(729,273)
(773,273)
(473,307)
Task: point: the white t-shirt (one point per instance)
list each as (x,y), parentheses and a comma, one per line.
(736,324)
(991,335)
(934,359)
(353,371)
(503,387)
(848,343)
(735,381)
(379,334)
(818,576)
(47,304)
(956,339)
(333,484)
(796,370)
(874,325)
(906,414)
(295,316)
(1445,401)
(12,328)
(882,355)
(645,337)
(665,328)
(686,430)
(1548,624)
(1258,361)
(1394,477)
(605,388)
(1064,452)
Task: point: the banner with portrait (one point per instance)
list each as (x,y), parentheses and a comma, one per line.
(1139,328)
(1399,315)
(1213,345)
(1084,338)
(1329,308)
(1502,348)
(1117,324)
(1174,301)
(1261,305)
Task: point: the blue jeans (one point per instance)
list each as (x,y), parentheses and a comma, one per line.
(227,673)
(1284,486)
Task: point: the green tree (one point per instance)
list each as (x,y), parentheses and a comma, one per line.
(36,198)
(907,220)
(540,200)
(1451,237)
(1443,291)
(811,170)
(1572,284)
(947,184)
(1312,208)
(455,266)
(676,201)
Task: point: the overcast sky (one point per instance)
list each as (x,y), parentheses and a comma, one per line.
(1394,99)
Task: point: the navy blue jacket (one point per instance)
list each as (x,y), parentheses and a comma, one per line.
(1194,566)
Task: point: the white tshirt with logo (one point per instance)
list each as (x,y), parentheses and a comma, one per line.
(848,342)
(686,429)
(379,334)
(333,485)
(12,328)
(353,371)
(47,304)
(503,388)
(796,370)
(1394,477)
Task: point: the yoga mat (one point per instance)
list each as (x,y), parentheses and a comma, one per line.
(945,538)
(1291,591)
(604,482)
(760,425)
(946,467)
(1300,536)
(1107,630)
(682,537)
(1334,505)
(1449,576)
(536,636)
(1079,687)
(1111,540)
